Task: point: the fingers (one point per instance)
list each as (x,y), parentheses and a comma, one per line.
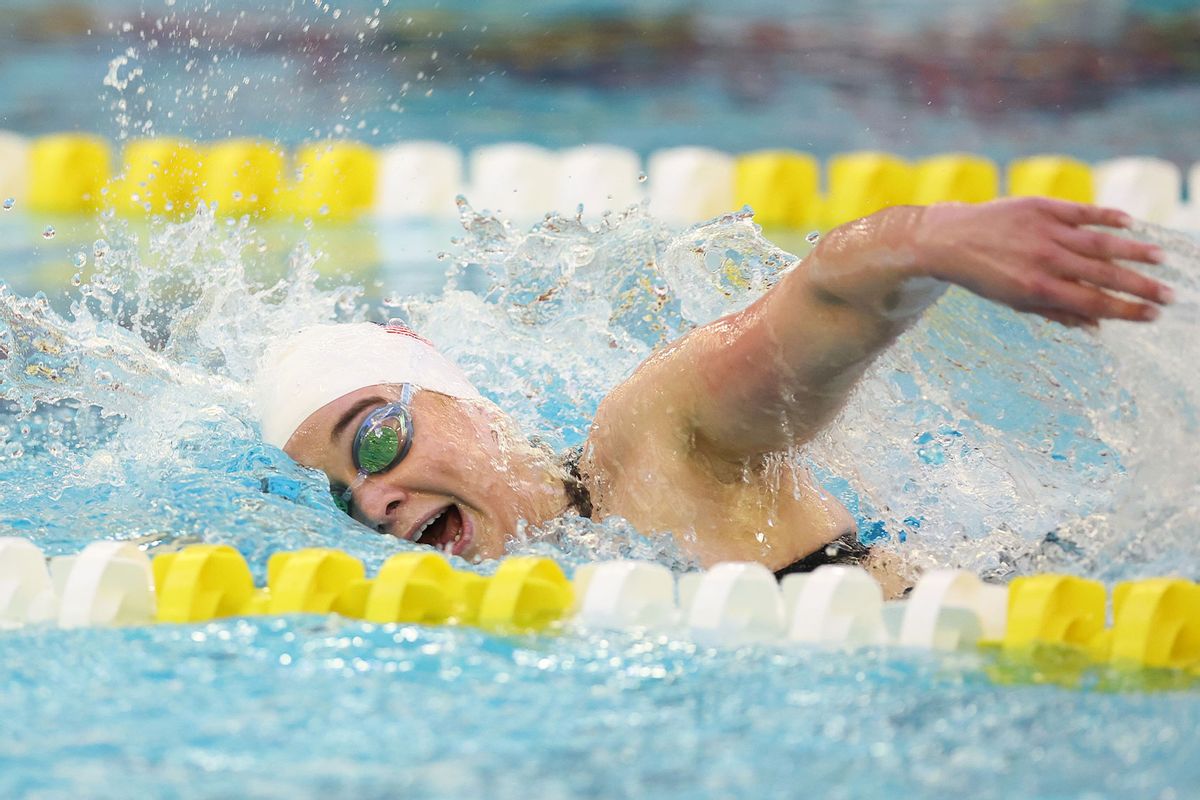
(1064,318)
(1097,244)
(1084,214)
(1092,302)
(1108,275)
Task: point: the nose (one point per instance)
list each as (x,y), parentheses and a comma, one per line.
(379,503)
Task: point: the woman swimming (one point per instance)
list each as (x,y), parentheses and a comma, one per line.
(690,442)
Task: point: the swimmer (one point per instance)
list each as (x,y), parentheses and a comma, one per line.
(689,444)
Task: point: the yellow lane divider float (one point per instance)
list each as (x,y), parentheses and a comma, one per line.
(243,176)
(68,173)
(1155,622)
(204,582)
(341,180)
(1051,176)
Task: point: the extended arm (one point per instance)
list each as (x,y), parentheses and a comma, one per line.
(774,374)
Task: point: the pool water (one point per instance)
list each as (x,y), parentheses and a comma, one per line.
(980,433)
(315,707)
(984,439)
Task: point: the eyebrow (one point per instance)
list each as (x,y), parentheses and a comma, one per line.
(351,413)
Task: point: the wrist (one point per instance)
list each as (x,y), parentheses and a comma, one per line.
(931,247)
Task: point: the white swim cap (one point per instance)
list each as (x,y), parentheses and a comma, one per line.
(321,363)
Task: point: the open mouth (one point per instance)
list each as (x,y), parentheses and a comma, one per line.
(448,530)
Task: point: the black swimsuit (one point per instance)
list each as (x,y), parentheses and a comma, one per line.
(577,491)
(846,549)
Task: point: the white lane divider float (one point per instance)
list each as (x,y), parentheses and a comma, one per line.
(835,605)
(1187,218)
(419,179)
(600,177)
(107,583)
(1147,188)
(735,602)
(515,179)
(688,184)
(26,593)
(625,594)
(952,610)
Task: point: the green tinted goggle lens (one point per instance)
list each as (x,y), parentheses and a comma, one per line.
(383,438)
(378,449)
(382,441)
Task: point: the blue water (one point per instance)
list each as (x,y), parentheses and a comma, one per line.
(983,440)
(977,435)
(309,707)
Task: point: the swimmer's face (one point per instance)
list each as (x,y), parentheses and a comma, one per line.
(457,489)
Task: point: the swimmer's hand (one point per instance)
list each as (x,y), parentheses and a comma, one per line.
(1036,255)
(774,374)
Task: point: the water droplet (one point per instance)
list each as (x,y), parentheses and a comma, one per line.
(49,232)
(9,203)
(77,279)
(14,450)
(80,260)
(323,210)
(641,178)
(813,237)
(99,249)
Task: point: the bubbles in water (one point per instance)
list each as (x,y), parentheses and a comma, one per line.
(813,237)
(48,232)
(641,177)
(8,204)
(941,442)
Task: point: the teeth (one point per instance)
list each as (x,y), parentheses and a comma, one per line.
(425,527)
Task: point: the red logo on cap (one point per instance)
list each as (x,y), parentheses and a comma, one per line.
(403,330)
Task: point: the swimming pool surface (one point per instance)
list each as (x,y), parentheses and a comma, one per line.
(984,440)
(952,434)
(314,707)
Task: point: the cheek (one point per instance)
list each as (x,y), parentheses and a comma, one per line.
(491,544)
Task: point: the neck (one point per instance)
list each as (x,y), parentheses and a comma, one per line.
(542,486)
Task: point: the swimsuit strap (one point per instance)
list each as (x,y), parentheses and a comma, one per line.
(577,492)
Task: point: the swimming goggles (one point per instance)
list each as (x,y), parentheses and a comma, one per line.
(383,440)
